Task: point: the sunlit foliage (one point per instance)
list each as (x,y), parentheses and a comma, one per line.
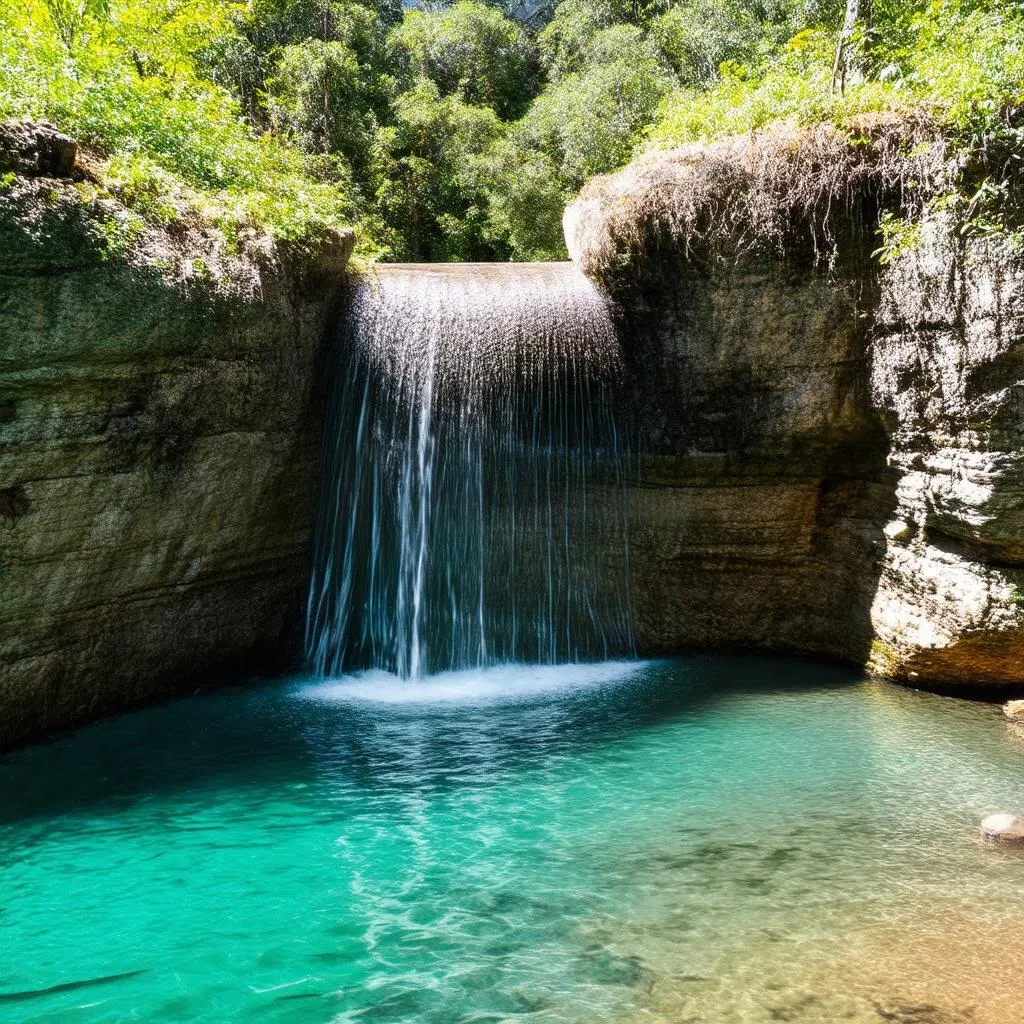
(470,51)
(958,63)
(123,78)
(451,131)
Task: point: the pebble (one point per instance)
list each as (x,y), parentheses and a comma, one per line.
(1003,827)
(1014,710)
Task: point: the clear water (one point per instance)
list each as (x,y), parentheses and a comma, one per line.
(714,840)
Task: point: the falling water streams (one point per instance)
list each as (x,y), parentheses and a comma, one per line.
(474,500)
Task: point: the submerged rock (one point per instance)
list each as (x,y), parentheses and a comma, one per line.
(1003,828)
(1014,711)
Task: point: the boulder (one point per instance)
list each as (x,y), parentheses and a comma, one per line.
(36,150)
(829,448)
(1003,828)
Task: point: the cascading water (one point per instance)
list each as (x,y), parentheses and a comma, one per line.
(474,500)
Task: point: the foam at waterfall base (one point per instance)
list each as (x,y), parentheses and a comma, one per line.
(495,684)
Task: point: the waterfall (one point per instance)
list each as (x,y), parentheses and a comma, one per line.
(473,507)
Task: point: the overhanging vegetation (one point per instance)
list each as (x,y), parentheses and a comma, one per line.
(457,133)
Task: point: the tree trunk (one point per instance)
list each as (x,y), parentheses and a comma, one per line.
(858,15)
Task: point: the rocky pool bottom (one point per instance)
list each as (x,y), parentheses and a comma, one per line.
(708,840)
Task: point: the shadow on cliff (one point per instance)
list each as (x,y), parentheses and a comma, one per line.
(763,483)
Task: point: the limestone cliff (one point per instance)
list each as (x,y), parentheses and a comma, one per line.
(948,369)
(160,412)
(830,449)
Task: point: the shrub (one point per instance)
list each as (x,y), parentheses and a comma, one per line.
(125,83)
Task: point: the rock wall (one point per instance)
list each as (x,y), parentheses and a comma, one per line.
(829,450)
(160,416)
(948,370)
(762,473)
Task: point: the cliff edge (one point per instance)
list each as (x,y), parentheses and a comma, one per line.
(830,443)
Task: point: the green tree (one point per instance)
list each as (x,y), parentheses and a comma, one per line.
(432,174)
(565,40)
(696,38)
(470,51)
(246,60)
(853,39)
(587,122)
(323,98)
(526,196)
(73,18)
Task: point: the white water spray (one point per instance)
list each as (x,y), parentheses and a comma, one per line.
(474,500)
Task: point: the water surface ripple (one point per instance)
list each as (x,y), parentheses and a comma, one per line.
(713,840)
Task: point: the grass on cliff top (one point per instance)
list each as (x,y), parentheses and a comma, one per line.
(123,77)
(806,194)
(961,60)
(956,66)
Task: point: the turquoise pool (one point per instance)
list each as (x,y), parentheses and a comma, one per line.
(711,840)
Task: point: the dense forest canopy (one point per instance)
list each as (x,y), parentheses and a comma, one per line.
(456,132)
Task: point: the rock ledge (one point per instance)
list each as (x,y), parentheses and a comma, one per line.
(36,150)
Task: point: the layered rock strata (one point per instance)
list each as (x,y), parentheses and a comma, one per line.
(763,484)
(948,370)
(830,448)
(160,419)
